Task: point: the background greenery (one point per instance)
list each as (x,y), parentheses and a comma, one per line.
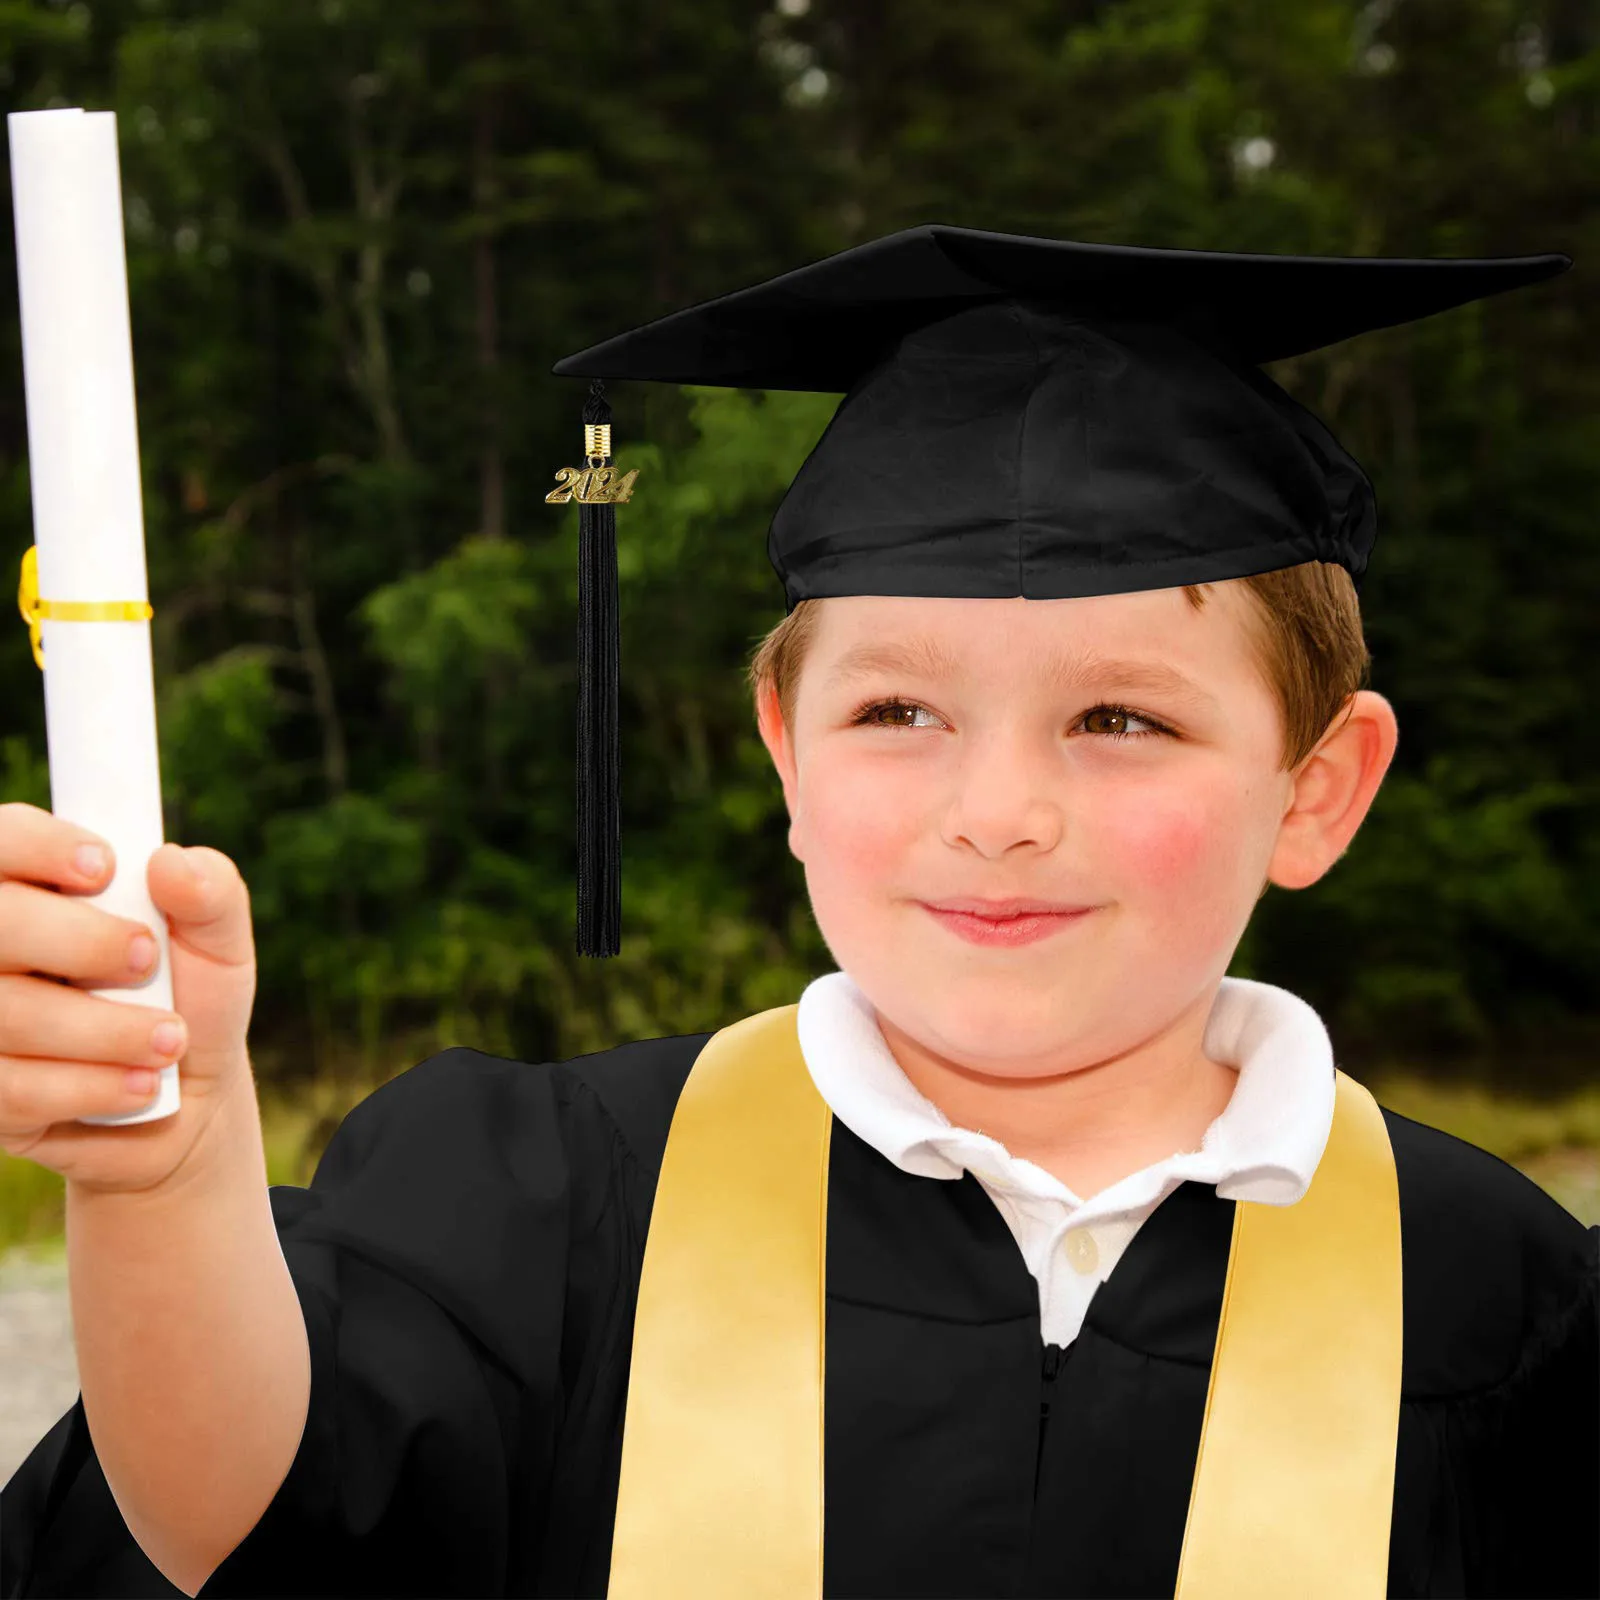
(360,233)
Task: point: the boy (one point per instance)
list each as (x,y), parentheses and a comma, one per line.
(1036,1130)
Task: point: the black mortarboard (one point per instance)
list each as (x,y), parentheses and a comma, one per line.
(1021,416)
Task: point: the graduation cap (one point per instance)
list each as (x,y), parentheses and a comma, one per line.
(1021,417)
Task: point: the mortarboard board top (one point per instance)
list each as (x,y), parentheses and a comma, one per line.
(821,326)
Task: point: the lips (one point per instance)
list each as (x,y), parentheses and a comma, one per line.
(999,910)
(1022,929)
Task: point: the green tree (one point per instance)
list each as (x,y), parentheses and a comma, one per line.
(359,235)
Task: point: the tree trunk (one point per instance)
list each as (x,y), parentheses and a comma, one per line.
(485,193)
(335,757)
(491,473)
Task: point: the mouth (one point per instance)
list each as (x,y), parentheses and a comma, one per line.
(996,910)
(1022,928)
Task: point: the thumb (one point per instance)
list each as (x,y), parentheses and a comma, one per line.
(202,893)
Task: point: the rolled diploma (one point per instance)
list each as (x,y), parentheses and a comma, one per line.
(88,520)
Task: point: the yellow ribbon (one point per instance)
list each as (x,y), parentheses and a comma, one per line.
(1294,1487)
(721,1488)
(720,1496)
(35,611)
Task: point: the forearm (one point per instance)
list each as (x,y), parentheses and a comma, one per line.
(192,1351)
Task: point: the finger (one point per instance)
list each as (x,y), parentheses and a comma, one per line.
(40,1018)
(42,848)
(206,902)
(45,931)
(36,1094)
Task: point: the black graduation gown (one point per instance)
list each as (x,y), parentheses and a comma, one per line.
(467,1258)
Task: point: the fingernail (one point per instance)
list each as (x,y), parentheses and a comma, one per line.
(191,863)
(90,859)
(167,1038)
(141,952)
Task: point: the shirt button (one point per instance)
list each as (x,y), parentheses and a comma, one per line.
(1081,1250)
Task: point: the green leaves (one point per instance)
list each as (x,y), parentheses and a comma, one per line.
(216,726)
(439,630)
(360,234)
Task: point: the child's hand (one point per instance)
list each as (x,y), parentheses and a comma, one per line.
(65,1053)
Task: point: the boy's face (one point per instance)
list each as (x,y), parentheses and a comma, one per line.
(1004,785)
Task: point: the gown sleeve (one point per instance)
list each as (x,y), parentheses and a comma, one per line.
(429,1258)
(1532,1497)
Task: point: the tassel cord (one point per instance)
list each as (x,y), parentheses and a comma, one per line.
(599,810)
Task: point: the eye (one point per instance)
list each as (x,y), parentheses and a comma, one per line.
(1128,715)
(867,716)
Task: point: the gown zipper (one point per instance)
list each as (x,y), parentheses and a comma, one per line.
(1055,1358)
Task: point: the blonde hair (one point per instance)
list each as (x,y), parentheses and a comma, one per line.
(1304,632)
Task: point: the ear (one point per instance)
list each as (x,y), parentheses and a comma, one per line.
(1333,790)
(775,736)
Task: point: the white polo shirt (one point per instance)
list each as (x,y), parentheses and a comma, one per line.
(1264,1146)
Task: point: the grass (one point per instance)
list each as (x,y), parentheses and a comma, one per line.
(1557,1144)
(295,1130)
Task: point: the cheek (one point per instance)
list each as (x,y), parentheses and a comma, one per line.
(856,824)
(1166,843)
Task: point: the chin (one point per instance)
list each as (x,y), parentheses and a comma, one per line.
(976,1009)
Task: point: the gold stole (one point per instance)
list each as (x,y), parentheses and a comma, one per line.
(721,1488)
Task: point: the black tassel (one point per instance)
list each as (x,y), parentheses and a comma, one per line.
(599,649)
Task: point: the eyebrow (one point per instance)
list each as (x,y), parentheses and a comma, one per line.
(927,658)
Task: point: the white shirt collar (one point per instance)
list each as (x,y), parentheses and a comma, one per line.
(1264,1146)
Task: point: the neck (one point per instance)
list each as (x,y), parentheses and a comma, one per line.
(1091,1126)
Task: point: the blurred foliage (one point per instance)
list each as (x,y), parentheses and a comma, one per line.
(359,234)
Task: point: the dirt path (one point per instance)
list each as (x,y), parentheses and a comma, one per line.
(38,1369)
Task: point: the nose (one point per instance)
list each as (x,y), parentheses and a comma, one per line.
(1009,791)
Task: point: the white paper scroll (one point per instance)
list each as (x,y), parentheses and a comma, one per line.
(88,522)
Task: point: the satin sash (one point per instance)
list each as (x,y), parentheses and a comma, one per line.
(721,1492)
